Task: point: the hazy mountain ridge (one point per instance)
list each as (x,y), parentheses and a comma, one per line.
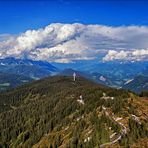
(29,68)
(137,84)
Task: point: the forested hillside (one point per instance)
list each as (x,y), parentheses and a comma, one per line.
(58,112)
(9,81)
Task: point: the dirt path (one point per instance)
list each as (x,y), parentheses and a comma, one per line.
(123,132)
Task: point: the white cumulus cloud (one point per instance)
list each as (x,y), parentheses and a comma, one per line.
(136,55)
(69,42)
(142,52)
(115,55)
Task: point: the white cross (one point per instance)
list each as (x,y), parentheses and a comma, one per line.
(74,76)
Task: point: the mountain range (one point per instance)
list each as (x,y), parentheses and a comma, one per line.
(9,81)
(137,84)
(25,67)
(113,74)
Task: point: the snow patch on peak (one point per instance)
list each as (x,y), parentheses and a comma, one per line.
(102,78)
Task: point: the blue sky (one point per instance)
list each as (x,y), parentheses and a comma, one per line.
(18,16)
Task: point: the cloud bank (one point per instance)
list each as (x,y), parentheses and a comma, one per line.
(70,42)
